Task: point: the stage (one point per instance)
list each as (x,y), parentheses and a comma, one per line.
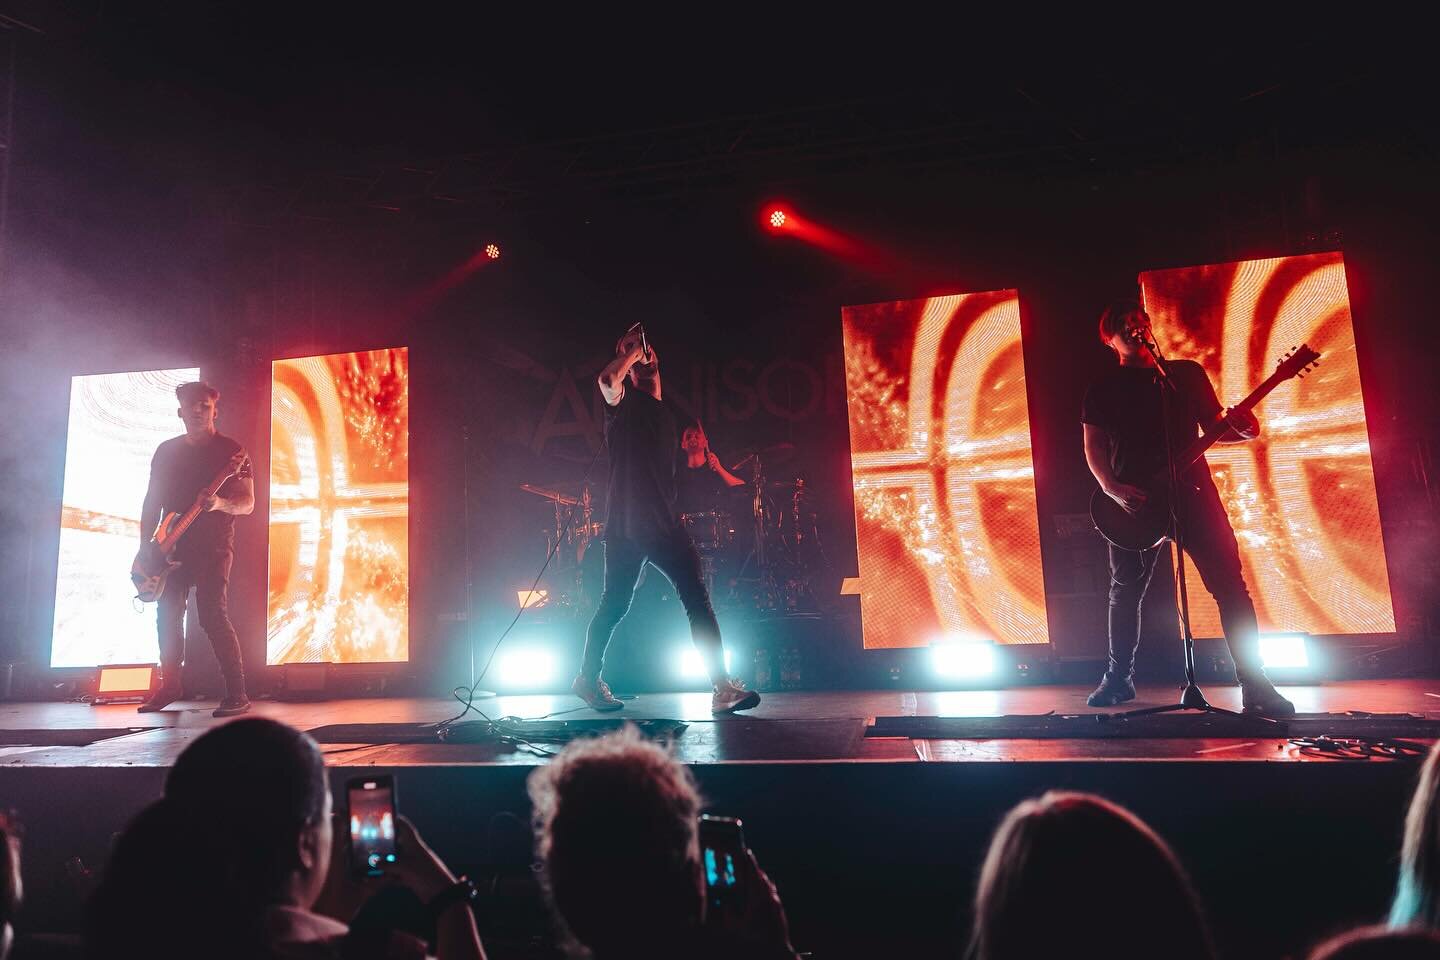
(873,841)
(788,727)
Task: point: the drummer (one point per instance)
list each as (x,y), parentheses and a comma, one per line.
(703,477)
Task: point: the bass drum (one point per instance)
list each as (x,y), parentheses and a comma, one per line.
(709,530)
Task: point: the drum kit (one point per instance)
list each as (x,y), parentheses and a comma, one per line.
(759,545)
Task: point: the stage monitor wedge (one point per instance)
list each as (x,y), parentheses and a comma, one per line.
(116,422)
(1301,497)
(339,581)
(945,513)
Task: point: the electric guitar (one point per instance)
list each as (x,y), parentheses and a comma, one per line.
(1151,525)
(153,564)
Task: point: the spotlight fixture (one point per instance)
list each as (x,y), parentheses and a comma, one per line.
(492,250)
(777,218)
(525,668)
(964,658)
(689,665)
(124,683)
(1282,651)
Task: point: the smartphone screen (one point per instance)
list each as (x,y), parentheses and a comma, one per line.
(372,824)
(722,852)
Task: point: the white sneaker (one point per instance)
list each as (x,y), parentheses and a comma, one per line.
(731,696)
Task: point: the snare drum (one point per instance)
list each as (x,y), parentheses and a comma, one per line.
(709,529)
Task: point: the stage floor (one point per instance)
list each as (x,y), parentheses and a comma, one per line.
(795,727)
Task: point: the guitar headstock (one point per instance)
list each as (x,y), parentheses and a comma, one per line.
(240,467)
(1299,361)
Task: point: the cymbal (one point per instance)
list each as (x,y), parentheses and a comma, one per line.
(775,453)
(550,494)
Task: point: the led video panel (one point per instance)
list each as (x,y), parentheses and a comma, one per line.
(339,585)
(945,520)
(1301,497)
(116,422)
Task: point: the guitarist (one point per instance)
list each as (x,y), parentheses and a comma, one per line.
(182,467)
(1125,445)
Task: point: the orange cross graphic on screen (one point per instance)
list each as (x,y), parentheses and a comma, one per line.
(958,487)
(1302,497)
(325,504)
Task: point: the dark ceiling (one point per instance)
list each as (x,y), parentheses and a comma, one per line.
(304,112)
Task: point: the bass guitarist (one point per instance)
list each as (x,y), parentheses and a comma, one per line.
(1125,444)
(183,467)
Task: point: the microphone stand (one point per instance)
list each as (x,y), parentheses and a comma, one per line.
(1191,698)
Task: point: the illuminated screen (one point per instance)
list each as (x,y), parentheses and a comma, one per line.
(945,521)
(1301,497)
(339,587)
(116,422)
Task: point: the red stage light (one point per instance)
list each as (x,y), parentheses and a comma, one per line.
(777,219)
(492,251)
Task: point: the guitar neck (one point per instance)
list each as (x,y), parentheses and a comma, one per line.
(197,508)
(1196,448)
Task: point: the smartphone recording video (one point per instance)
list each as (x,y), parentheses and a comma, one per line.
(722,853)
(371,802)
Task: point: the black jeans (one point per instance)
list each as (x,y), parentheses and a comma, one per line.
(675,556)
(209,573)
(1210,545)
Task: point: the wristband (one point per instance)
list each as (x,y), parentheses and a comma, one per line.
(462,891)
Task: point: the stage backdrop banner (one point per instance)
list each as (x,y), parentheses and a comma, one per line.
(339,585)
(1301,497)
(945,517)
(116,422)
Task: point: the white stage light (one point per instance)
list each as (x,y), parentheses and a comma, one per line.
(690,667)
(525,667)
(1281,651)
(963,659)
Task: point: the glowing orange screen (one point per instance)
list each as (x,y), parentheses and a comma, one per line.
(339,509)
(1302,496)
(949,543)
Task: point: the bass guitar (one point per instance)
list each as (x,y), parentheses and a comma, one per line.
(153,564)
(1152,524)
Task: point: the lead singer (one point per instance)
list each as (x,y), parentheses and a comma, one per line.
(642,525)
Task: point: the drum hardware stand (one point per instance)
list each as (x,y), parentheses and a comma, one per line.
(469,564)
(757,550)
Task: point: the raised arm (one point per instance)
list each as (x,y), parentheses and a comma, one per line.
(612,378)
(714,463)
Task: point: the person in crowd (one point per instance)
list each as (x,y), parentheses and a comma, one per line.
(1380,943)
(1099,877)
(616,828)
(10,887)
(1417,892)
(232,859)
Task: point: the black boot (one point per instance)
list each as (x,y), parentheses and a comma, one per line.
(1259,696)
(235,702)
(1113,689)
(161,698)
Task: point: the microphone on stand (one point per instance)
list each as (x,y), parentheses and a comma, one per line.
(1147,342)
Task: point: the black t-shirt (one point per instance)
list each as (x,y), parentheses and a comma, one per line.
(642,437)
(698,488)
(178,472)
(1126,403)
